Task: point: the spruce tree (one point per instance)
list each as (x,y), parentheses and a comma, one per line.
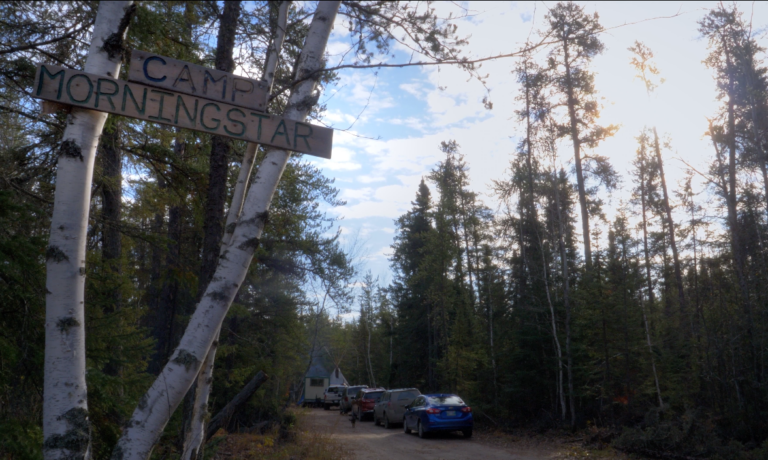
(576,33)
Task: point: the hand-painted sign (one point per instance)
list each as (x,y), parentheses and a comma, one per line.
(183,77)
(72,87)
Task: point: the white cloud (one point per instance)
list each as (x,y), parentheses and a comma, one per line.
(341,160)
(413,110)
(414,89)
(366,179)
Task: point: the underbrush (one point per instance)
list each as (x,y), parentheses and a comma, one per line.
(691,435)
(288,440)
(556,444)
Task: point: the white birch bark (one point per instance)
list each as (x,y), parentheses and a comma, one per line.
(196,435)
(560,393)
(246,167)
(66,429)
(195,438)
(161,400)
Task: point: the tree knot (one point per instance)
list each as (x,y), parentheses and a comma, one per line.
(55,254)
(76,439)
(251,244)
(185,358)
(66,323)
(69,148)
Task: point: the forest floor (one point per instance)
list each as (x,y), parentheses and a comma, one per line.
(365,441)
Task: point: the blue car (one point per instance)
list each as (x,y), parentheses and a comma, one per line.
(441,412)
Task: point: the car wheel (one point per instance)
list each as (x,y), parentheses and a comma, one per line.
(405,426)
(327,406)
(467,433)
(376,421)
(387,425)
(422,433)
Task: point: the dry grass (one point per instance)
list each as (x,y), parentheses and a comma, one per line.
(293,443)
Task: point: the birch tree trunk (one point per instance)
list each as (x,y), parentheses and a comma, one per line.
(194,438)
(558,349)
(246,167)
(158,404)
(66,429)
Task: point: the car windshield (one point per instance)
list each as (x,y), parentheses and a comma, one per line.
(408,395)
(372,395)
(445,400)
(333,390)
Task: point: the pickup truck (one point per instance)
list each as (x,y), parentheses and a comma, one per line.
(332,396)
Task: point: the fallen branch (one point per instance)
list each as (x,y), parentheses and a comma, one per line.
(221,420)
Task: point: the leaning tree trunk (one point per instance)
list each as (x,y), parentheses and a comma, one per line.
(671,225)
(193,437)
(246,167)
(66,429)
(222,419)
(161,400)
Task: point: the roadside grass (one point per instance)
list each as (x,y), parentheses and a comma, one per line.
(289,441)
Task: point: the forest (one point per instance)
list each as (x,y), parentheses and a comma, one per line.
(647,325)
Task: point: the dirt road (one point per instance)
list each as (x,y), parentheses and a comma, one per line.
(369,442)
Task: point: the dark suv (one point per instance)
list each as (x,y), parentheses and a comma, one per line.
(347,395)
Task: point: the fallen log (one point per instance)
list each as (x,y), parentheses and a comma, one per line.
(221,420)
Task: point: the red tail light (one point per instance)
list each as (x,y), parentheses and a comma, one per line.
(466,409)
(432,410)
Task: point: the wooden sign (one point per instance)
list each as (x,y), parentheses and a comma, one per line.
(80,89)
(183,77)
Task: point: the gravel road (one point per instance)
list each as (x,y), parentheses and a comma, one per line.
(369,442)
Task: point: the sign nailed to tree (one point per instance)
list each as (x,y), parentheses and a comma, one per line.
(183,77)
(76,88)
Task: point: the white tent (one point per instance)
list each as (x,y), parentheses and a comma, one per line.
(337,378)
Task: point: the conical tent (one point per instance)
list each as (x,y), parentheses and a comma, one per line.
(337,378)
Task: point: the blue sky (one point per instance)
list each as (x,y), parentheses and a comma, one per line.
(404,114)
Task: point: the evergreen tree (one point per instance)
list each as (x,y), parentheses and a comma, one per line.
(576,33)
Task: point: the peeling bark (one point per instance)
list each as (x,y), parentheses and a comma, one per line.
(66,430)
